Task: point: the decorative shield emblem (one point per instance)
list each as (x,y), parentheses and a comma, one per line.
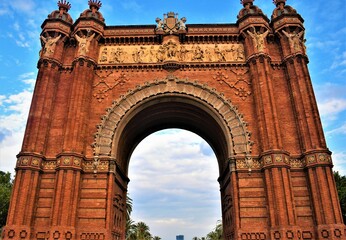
(171,22)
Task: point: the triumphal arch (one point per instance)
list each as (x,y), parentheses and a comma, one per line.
(244,87)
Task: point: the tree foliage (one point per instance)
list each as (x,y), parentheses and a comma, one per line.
(5,195)
(341,187)
(216,234)
(136,231)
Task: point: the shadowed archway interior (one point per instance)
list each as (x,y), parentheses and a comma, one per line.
(173,111)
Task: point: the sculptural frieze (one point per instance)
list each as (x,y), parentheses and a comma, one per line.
(172,51)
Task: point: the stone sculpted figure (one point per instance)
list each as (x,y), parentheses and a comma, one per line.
(138,54)
(49,45)
(295,40)
(171,49)
(258,39)
(104,54)
(182,53)
(219,54)
(84,43)
(198,54)
(160,24)
(240,53)
(181,24)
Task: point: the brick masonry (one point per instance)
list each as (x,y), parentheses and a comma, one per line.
(245,87)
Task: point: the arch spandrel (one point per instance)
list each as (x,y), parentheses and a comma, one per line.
(112,124)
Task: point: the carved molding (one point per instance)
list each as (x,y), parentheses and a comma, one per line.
(237,127)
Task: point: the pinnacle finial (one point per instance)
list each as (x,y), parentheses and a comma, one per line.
(64,4)
(244,2)
(277,2)
(95,3)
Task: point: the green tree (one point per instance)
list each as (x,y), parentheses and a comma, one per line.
(5,194)
(130,224)
(140,231)
(341,187)
(156,238)
(217,233)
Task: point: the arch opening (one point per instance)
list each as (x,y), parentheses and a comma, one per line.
(171,111)
(174,184)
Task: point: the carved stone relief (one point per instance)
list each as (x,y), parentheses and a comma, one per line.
(241,87)
(172,51)
(103,86)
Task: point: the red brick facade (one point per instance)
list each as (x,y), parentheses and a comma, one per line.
(244,87)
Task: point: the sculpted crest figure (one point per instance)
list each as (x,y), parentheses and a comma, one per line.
(49,44)
(84,43)
(258,39)
(295,40)
(160,24)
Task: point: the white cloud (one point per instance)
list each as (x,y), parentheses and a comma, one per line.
(174,170)
(26,6)
(131,5)
(12,124)
(2,98)
(339,61)
(330,108)
(339,160)
(339,130)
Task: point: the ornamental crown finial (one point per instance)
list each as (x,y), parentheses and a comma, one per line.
(244,2)
(64,4)
(277,2)
(95,3)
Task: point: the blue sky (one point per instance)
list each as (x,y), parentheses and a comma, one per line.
(192,206)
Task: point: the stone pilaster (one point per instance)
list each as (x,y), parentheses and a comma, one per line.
(21,211)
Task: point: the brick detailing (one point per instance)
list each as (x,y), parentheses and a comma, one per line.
(255,236)
(92,236)
(229,113)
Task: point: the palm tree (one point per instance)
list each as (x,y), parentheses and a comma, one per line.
(130,225)
(128,206)
(142,231)
(156,238)
(217,233)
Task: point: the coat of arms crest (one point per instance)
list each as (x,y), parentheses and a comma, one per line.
(171,23)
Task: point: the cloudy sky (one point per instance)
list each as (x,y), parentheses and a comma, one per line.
(185,196)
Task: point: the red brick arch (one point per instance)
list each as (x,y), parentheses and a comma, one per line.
(186,96)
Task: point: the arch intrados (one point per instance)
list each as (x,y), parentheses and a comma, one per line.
(171,111)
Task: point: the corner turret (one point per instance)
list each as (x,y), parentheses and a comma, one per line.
(56,30)
(288,25)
